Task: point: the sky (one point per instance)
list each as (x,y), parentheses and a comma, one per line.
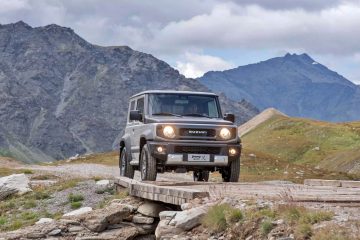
(196,36)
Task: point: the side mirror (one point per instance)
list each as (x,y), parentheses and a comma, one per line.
(135,115)
(229,117)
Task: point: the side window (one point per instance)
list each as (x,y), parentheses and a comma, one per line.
(132,107)
(140,105)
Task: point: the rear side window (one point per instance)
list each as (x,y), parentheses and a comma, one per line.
(132,107)
(140,105)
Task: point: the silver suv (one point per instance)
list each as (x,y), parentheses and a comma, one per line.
(179,131)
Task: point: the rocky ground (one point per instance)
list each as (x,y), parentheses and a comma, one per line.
(47,212)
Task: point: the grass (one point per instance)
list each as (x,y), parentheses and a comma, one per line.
(287,145)
(75,197)
(75,200)
(266,227)
(8,171)
(75,205)
(259,223)
(106,158)
(334,232)
(25,210)
(219,217)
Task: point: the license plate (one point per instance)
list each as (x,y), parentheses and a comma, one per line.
(198,157)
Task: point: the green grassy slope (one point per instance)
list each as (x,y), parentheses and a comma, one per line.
(330,146)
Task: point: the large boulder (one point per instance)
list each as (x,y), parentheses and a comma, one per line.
(14,184)
(98,220)
(152,209)
(175,222)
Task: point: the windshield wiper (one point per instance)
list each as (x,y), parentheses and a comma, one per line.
(197,115)
(166,114)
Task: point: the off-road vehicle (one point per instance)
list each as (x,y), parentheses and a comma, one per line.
(179,131)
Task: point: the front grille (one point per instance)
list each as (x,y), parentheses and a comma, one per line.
(191,132)
(197,149)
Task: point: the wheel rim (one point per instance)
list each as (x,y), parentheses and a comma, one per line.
(123,163)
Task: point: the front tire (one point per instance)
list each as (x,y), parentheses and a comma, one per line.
(201,176)
(147,165)
(126,170)
(232,173)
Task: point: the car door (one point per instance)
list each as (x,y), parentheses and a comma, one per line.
(137,129)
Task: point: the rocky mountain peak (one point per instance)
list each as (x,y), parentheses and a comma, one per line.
(61,96)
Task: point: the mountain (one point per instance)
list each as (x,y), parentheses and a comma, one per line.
(334,147)
(61,96)
(294,84)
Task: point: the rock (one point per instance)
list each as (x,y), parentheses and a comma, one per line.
(176,222)
(124,233)
(151,209)
(186,206)
(54,232)
(75,229)
(99,219)
(142,219)
(36,235)
(79,211)
(14,184)
(278,222)
(145,237)
(103,182)
(44,220)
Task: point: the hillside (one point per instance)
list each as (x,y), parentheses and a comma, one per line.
(328,146)
(258,119)
(61,96)
(296,85)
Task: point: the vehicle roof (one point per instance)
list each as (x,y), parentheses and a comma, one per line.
(173,92)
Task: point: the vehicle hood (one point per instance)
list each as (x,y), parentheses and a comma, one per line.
(188,120)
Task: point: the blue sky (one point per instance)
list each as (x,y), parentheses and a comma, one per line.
(198,36)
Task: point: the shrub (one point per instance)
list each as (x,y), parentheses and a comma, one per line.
(316,217)
(233,216)
(75,197)
(28,171)
(2,220)
(303,231)
(29,204)
(28,215)
(215,218)
(266,227)
(75,205)
(41,195)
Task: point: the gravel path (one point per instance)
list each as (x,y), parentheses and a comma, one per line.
(85,170)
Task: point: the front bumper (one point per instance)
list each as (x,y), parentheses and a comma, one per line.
(178,153)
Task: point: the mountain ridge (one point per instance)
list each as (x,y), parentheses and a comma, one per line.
(61,95)
(295,84)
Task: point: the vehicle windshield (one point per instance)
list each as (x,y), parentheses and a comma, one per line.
(169,104)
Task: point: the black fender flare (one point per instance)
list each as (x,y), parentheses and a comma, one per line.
(125,142)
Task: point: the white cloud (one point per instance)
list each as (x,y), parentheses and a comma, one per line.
(331,30)
(12,5)
(195,65)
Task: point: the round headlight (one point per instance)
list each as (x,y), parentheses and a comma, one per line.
(225,133)
(169,132)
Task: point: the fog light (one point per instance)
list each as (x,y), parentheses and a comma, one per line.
(160,149)
(232,151)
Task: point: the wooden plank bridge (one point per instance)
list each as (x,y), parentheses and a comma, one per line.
(176,193)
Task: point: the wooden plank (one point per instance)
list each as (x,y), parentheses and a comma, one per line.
(350,184)
(320,182)
(167,194)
